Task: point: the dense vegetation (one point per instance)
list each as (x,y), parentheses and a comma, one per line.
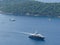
(30,7)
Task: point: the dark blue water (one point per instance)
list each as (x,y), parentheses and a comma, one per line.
(9,30)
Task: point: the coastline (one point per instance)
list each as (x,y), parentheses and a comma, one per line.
(28,14)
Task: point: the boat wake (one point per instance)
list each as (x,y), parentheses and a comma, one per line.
(26,33)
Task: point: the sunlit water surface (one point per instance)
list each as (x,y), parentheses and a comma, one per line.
(10,30)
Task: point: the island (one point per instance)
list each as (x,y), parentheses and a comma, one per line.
(29,7)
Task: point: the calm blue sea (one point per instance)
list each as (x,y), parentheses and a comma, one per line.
(10,30)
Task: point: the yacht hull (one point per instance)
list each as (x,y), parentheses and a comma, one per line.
(36,37)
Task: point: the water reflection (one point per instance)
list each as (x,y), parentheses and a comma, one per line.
(37,42)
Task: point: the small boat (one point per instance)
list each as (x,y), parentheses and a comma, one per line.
(49,19)
(34,36)
(12,19)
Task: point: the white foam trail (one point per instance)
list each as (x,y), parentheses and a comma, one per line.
(26,33)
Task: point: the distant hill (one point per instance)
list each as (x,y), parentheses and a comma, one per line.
(30,8)
(12,1)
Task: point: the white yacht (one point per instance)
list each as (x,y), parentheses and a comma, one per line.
(34,36)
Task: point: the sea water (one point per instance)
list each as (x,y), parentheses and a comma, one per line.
(10,30)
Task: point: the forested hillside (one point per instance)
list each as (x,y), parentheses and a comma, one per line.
(30,7)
